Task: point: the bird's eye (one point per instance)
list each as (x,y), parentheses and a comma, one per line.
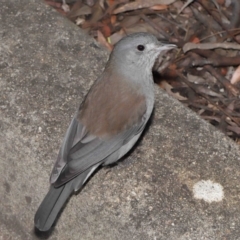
(140,47)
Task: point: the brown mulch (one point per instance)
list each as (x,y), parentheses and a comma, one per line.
(204,73)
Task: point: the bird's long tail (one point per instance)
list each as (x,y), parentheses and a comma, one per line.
(55,199)
(51,205)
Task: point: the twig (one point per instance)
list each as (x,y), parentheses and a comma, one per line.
(184,79)
(218,21)
(233,90)
(155,26)
(226,45)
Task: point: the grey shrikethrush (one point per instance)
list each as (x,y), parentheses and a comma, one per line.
(108,123)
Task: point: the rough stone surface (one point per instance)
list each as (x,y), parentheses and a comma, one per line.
(47,65)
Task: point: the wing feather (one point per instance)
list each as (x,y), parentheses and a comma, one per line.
(103,130)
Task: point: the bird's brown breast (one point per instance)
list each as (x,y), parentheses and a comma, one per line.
(111,106)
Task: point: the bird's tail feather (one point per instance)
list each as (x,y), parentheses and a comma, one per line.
(55,199)
(51,205)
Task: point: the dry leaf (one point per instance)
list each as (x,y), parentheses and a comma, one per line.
(114,38)
(113,19)
(168,88)
(53,4)
(223,71)
(208,91)
(83,10)
(79,21)
(97,12)
(141,4)
(129,21)
(102,40)
(195,40)
(90,3)
(235,129)
(190,46)
(159,7)
(215,118)
(230,107)
(236,76)
(106,30)
(65,8)
(195,79)
(186,4)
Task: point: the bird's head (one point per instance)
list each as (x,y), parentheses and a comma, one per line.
(138,51)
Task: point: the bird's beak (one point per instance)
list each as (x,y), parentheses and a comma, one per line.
(165,47)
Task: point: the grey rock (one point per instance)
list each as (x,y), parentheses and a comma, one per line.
(47,65)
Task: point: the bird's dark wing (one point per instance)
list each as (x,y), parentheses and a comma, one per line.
(104,129)
(90,150)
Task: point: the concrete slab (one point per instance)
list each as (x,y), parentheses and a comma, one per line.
(47,65)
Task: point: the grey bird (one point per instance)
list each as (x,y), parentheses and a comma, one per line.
(108,123)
